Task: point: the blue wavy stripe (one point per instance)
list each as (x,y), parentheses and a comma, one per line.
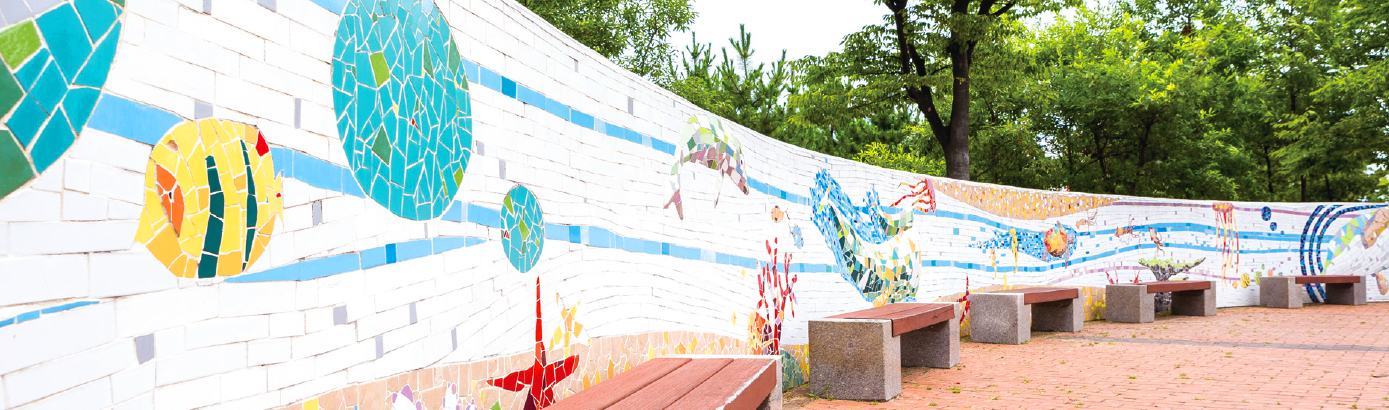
(35,314)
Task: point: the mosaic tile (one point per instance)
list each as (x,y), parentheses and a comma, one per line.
(707,144)
(776,302)
(867,242)
(1020,203)
(401,95)
(211,198)
(56,63)
(523,228)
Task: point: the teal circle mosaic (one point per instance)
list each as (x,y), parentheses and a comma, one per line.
(523,228)
(403,108)
(56,57)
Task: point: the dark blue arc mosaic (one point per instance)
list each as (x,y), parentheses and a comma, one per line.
(401,95)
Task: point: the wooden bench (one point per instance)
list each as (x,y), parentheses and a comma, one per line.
(1284,292)
(1134,303)
(860,355)
(1010,316)
(687,382)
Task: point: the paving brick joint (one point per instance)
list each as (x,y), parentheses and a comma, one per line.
(1318,357)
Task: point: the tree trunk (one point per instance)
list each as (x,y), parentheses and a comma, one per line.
(957,153)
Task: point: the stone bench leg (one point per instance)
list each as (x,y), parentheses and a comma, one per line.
(1128,304)
(999,318)
(935,346)
(1346,293)
(856,359)
(1280,292)
(1059,316)
(1194,302)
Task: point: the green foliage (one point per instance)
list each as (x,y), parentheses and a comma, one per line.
(633,33)
(1263,100)
(897,157)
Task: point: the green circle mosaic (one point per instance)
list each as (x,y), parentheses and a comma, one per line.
(402,101)
(523,228)
(56,61)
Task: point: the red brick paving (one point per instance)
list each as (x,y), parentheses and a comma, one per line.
(1243,358)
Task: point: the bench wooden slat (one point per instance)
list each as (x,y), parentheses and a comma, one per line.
(1176,285)
(742,385)
(1311,279)
(923,315)
(661,393)
(607,393)
(905,317)
(1043,294)
(873,313)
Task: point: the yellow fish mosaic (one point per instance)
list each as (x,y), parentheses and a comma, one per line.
(211,198)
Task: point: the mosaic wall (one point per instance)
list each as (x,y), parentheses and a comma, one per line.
(404,204)
(57,55)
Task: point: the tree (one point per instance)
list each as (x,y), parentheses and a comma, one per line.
(928,48)
(632,33)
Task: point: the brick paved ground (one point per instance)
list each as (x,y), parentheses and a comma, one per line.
(1243,358)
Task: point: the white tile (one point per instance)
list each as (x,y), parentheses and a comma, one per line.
(269,400)
(134,382)
(94,395)
(147,66)
(56,335)
(383,322)
(161,11)
(341,359)
(195,24)
(243,383)
(77,176)
(51,179)
(189,395)
(170,342)
(249,16)
(102,148)
(288,374)
(255,100)
(31,205)
(48,378)
(145,313)
(267,351)
(197,363)
(144,402)
(287,324)
(220,331)
(128,273)
(78,206)
(44,238)
(316,343)
(34,279)
(242,299)
(122,184)
(4,238)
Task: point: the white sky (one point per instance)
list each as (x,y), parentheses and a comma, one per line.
(801,27)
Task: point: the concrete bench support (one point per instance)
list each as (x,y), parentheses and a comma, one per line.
(1009,317)
(862,359)
(1134,303)
(1285,292)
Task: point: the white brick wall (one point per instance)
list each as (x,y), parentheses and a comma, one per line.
(55,376)
(68,236)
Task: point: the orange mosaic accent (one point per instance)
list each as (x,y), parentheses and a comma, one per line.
(1020,203)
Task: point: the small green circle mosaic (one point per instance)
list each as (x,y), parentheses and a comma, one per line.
(401,96)
(523,228)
